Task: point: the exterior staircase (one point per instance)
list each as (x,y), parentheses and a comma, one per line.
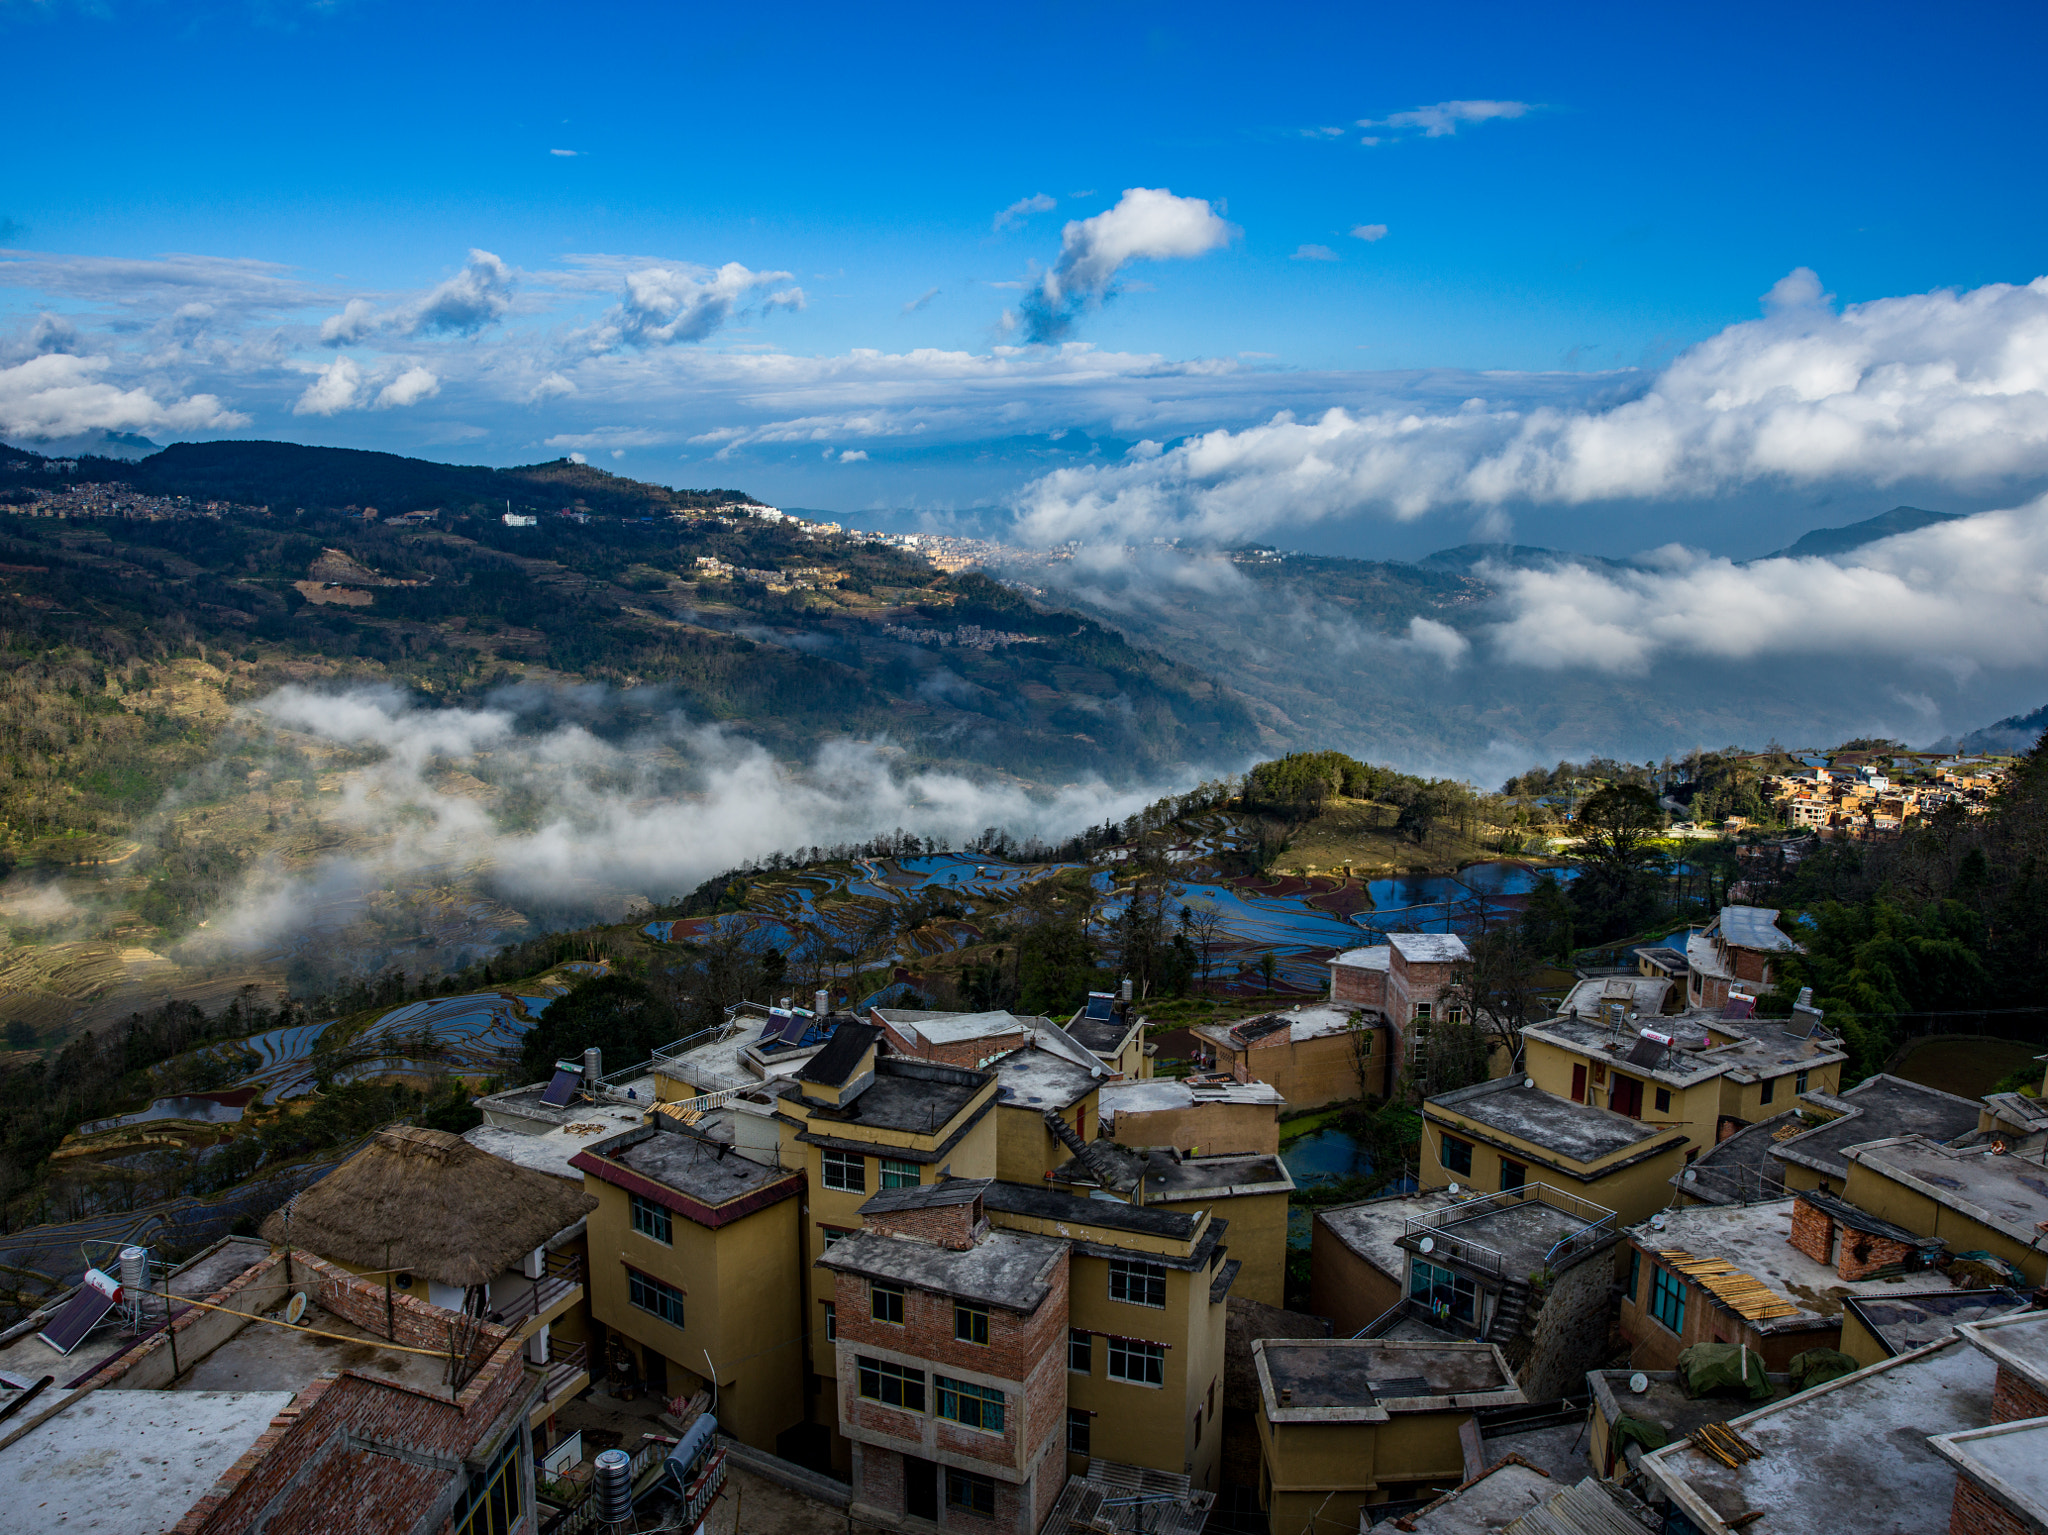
(1511,1313)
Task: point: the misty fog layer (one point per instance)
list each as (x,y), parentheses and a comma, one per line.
(537,799)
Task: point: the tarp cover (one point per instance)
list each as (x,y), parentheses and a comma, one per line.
(1820,1364)
(1629,1430)
(1716,1369)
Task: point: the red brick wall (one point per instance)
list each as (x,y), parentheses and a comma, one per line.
(1360,988)
(1812,1231)
(1860,1254)
(967,1052)
(1975,1512)
(2016,1397)
(949,1225)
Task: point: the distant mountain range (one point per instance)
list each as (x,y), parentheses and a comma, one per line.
(1825,543)
(2016,733)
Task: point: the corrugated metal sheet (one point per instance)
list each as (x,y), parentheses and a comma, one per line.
(1587,1509)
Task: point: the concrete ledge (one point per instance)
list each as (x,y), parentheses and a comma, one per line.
(788,1474)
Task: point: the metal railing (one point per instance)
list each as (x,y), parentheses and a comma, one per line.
(1596,1223)
(647,1469)
(566,1361)
(562,1273)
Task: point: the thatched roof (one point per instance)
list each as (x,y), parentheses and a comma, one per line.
(430,1203)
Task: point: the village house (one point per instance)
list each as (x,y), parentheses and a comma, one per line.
(284,1394)
(1878,1108)
(1739,949)
(1531,1269)
(1703,1073)
(1345,1423)
(1626,1403)
(1111,1030)
(1880,1327)
(1502,1135)
(1403,981)
(954,1039)
(1771,1277)
(423,1212)
(1973,1199)
(1216,1114)
(1047,1105)
(1310,1054)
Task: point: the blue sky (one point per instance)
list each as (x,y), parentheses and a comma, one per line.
(1556,209)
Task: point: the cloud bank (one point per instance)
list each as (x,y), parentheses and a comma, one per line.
(1945,386)
(59,395)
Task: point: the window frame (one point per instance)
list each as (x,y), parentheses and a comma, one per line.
(1798,1083)
(493,1502)
(643,1214)
(909,1383)
(1152,1358)
(1425,1279)
(661,1290)
(1517,1171)
(880,1291)
(1769,1091)
(1085,1342)
(1663,1100)
(1455,1152)
(975,1319)
(1138,1280)
(981,1408)
(1080,1430)
(831,1321)
(1635,1274)
(895,1173)
(1667,1299)
(979,1492)
(835,1161)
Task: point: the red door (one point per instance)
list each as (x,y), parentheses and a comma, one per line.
(1628,1096)
(1578,1084)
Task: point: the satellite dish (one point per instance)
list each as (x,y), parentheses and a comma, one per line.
(295,1312)
(1454,1188)
(1528,1081)
(1657,1221)
(1427,1244)
(1639,1383)
(1692,1175)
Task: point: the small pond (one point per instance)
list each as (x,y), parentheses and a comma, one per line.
(208,1111)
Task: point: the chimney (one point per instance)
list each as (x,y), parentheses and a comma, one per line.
(821,1002)
(593,1068)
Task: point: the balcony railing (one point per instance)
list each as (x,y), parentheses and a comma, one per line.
(560,1275)
(566,1361)
(1596,1223)
(1413,1306)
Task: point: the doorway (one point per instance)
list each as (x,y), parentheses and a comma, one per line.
(920,1488)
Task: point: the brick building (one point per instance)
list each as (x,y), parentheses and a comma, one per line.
(1310,1054)
(1739,950)
(951,1339)
(1402,980)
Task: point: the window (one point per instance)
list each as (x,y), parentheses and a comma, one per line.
(1361,1043)
(1663,1100)
(891,1384)
(650,1220)
(1422,1012)
(888,1302)
(831,1322)
(834,1235)
(970,1493)
(1454,1015)
(1770,1090)
(1635,1271)
(971,1405)
(1446,1292)
(846,1172)
(970,1323)
(1142,1284)
(1512,1175)
(1667,1299)
(1457,1156)
(1799,1083)
(651,1295)
(898,1175)
(1080,1351)
(491,1504)
(1077,1430)
(1141,1363)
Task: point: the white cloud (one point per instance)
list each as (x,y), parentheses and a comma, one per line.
(60,395)
(358,320)
(1944,387)
(337,387)
(1022,209)
(1313,253)
(1960,596)
(565,154)
(579,458)
(664,304)
(1441,120)
(477,296)
(854,456)
(920,301)
(1147,224)
(409,388)
(1369,232)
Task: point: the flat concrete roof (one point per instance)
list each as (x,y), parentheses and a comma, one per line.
(1853,1449)
(1879,1108)
(1038,1079)
(1042,1203)
(130,1462)
(523,1103)
(549,1152)
(1372,1228)
(1429,948)
(1581,1132)
(1740,1168)
(2008,1460)
(694,1166)
(1906,1322)
(261,1357)
(1378,956)
(1307,1020)
(2007,1193)
(2019,1342)
(1523,1233)
(1159,1095)
(1177,1182)
(1747,1050)
(1757,1239)
(917,1096)
(1003,1268)
(1368,1380)
(1665,1402)
(1642,994)
(1500,1496)
(952,1028)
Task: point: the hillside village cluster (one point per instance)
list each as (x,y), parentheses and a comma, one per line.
(985,1272)
(1866,801)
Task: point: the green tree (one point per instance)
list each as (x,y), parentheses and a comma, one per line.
(1055,966)
(617,1014)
